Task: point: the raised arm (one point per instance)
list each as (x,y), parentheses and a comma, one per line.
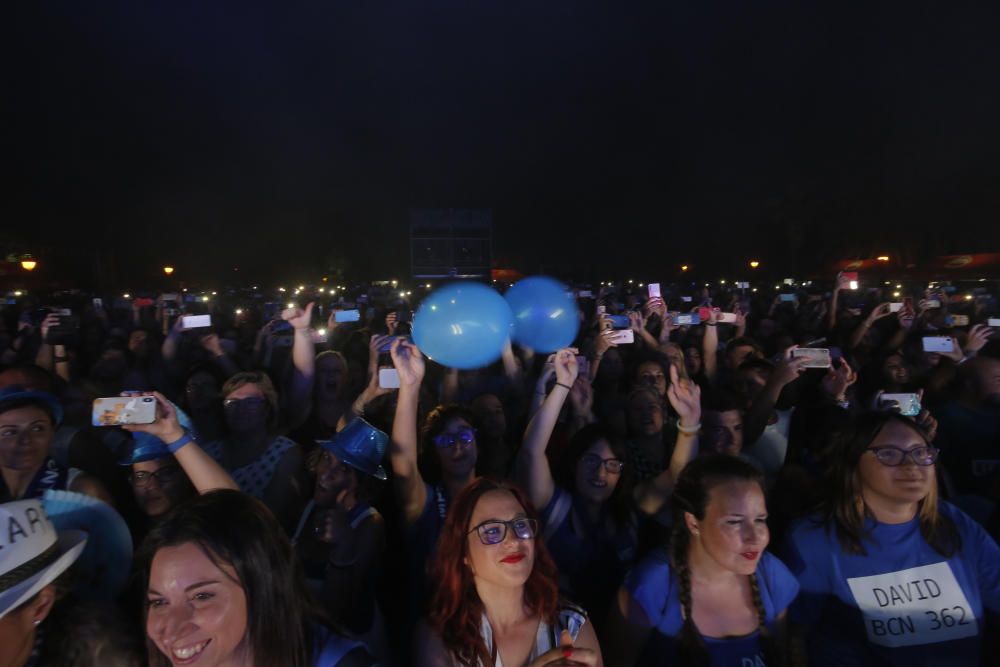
(785,372)
(685,397)
(532,465)
(303,363)
(203,471)
(710,348)
(407,482)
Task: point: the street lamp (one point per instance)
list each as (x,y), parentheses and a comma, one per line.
(684,267)
(168,270)
(883,258)
(754,264)
(28,264)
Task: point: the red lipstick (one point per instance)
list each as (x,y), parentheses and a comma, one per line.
(513,558)
(750,555)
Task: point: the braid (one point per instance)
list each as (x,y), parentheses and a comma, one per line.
(772,656)
(691,647)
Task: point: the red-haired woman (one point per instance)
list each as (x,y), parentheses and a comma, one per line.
(497,598)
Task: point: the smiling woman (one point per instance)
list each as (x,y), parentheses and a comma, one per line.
(497,602)
(223,590)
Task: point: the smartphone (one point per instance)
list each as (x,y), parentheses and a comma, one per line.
(687,318)
(619,321)
(123,410)
(346,316)
(908,404)
(993,322)
(957,320)
(787,297)
(852,279)
(686,299)
(63,331)
(938,344)
(654,290)
(622,337)
(404,316)
(742,285)
(385,347)
(388,378)
(582,366)
(933,303)
(602,309)
(816,357)
(585,294)
(196,321)
(726,318)
(319,336)
(704,313)
(98,303)
(895,307)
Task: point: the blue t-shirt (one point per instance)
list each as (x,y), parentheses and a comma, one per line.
(592,560)
(900,604)
(655,587)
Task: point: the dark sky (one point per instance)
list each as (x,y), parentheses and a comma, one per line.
(624,136)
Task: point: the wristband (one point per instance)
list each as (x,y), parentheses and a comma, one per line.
(689,430)
(560,384)
(177,444)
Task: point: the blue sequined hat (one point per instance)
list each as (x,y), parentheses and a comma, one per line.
(148,447)
(361,446)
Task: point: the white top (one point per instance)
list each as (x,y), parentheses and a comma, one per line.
(547,638)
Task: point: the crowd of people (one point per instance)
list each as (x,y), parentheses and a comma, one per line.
(789,477)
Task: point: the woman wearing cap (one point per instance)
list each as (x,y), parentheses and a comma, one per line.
(340,537)
(167,465)
(32,556)
(28,420)
(223,589)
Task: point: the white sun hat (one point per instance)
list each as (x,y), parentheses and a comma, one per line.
(32,554)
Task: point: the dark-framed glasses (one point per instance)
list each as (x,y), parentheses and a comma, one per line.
(463,438)
(164,476)
(494,531)
(894,456)
(250,400)
(593,462)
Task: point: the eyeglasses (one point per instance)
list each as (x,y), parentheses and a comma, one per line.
(593,462)
(463,438)
(252,401)
(164,476)
(894,456)
(494,531)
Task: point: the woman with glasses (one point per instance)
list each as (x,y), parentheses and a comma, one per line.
(167,466)
(891,574)
(265,465)
(587,521)
(496,601)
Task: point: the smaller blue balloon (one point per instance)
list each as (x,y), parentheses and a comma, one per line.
(546,317)
(463,325)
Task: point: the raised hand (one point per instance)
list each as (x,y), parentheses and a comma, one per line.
(565,366)
(298,318)
(979,335)
(166,427)
(211,343)
(685,397)
(603,342)
(50,321)
(837,380)
(391,323)
(636,322)
(409,362)
(790,367)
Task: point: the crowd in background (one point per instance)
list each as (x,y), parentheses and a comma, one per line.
(706,494)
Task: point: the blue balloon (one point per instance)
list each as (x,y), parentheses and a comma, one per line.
(546,317)
(463,325)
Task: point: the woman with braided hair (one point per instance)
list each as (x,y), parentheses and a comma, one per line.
(714,598)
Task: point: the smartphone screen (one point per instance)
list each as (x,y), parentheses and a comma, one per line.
(196,321)
(654,290)
(938,344)
(346,316)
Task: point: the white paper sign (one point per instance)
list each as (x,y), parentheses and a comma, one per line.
(921,605)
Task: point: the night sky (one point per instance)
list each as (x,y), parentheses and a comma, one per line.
(606,137)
